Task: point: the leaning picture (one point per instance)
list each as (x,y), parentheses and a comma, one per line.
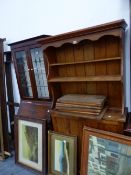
(30,144)
(62,154)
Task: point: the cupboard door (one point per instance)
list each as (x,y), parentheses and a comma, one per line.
(39,72)
(23,71)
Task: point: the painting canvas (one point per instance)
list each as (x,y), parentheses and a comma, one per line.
(108,157)
(105,153)
(62,154)
(30,144)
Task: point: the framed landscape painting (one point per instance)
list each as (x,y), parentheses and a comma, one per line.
(31,143)
(62,154)
(105,153)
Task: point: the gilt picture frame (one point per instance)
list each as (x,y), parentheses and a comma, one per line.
(31,144)
(62,154)
(105,153)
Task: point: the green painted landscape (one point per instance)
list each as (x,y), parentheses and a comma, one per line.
(30,143)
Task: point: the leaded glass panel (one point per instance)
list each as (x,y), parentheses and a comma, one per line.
(24,73)
(39,71)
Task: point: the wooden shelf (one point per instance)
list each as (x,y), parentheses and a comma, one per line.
(111,115)
(88,78)
(86,61)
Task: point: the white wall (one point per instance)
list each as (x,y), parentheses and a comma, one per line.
(28,18)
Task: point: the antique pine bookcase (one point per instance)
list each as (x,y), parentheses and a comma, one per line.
(88,61)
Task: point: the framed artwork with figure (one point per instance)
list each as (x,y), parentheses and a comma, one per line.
(62,154)
(105,153)
(30,144)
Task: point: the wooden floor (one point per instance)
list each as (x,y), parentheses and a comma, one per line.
(8,167)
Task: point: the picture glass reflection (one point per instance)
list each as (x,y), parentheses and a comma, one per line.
(108,157)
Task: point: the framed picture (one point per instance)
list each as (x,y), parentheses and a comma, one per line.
(30,144)
(62,154)
(105,153)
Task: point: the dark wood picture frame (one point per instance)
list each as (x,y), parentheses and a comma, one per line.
(38,165)
(112,149)
(66,155)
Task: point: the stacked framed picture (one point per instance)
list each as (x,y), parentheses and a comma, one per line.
(105,153)
(31,144)
(62,154)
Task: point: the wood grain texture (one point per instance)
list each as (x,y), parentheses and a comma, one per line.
(92,64)
(72,125)
(36,110)
(69,55)
(120,24)
(85,61)
(87,78)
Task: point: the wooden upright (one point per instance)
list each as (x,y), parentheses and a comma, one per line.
(88,61)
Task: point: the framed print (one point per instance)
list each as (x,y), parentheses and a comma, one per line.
(31,143)
(62,154)
(105,153)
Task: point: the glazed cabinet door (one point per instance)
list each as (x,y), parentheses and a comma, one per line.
(31,73)
(23,74)
(39,72)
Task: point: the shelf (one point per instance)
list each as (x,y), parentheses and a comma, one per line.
(88,78)
(110,115)
(86,61)
(113,114)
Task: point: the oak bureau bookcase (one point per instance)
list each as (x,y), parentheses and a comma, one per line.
(31,68)
(88,61)
(35,105)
